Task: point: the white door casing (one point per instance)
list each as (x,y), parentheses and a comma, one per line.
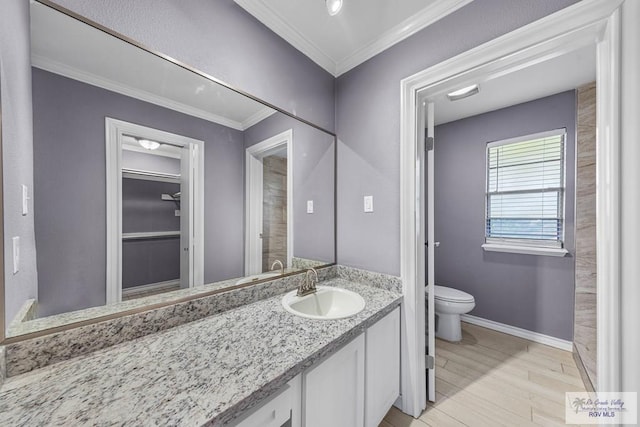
(428,211)
(254,197)
(115,130)
(583,24)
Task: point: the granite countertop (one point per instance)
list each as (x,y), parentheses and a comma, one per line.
(201,373)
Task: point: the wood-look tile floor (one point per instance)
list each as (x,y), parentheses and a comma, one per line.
(495,379)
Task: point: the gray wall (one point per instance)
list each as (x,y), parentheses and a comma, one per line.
(528,291)
(69,158)
(313,172)
(149,260)
(143,210)
(150,162)
(17,140)
(221,39)
(368,123)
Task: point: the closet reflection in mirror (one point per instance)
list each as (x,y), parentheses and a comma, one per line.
(153,183)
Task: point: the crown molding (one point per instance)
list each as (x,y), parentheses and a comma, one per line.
(263,13)
(403,30)
(275,23)
(95,80)
(258,117)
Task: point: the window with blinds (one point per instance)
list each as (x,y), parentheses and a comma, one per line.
(525,190)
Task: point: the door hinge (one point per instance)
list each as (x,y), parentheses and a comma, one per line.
(429,361)
(428,143)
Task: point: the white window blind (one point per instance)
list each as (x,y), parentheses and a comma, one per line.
(525,190)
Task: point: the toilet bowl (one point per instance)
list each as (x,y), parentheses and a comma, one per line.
(449,305)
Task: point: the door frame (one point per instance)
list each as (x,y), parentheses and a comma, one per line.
(254,200)
(587,22)
(115,130)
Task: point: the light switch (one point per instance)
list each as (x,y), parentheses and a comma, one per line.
(25,200)
(16,254)
(368,203)
(309,206)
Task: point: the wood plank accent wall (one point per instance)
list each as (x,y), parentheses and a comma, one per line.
(585,305)
(274,210)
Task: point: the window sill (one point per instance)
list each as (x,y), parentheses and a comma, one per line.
(527,250)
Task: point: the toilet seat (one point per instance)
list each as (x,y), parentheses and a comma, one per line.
(444,293)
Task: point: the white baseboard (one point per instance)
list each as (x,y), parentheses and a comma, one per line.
(519,332)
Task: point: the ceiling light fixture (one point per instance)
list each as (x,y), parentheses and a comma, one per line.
(333,6)
(149,145)
(464,92)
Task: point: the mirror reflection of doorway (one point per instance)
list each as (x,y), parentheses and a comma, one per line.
(151,218)
(274,208)
(154,204)
(269,201)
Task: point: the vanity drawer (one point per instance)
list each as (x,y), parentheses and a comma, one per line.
(280,411)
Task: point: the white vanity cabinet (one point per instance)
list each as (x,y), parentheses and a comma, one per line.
(354,387)
(382,372)
(333,391)
(281,410)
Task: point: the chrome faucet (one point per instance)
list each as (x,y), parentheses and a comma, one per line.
(308,285)
(276,262)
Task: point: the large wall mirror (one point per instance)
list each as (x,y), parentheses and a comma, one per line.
(153,182)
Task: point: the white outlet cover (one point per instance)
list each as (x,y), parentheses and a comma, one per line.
(309,206)
(368,204)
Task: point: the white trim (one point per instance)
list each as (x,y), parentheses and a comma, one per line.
(150,235)
(427,16)
(630,198)
(581,24)
(257,117)
(518,332)
(263,13)
(151,175)
(429,212)
(65,70)
(608,201)
(159,152)
(338,66)
(149,287)
(115,130)
(412,322)
(522,249)
(530,137)
(253,198)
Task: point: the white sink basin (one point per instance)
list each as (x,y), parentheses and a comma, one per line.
(326,303)
(256,277)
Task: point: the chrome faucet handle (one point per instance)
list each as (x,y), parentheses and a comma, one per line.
(308,286)
(276,262)
(312,284)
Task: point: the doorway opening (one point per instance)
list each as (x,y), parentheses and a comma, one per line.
(594,24)
(269,201)
(154,211)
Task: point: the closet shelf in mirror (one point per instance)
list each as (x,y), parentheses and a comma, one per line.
(150,175)
(151,235)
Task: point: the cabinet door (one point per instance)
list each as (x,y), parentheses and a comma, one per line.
(334,389)
(382,367)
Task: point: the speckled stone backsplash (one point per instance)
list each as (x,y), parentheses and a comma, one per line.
(378,280)
(27,355)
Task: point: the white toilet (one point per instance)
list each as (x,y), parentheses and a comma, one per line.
(450,304)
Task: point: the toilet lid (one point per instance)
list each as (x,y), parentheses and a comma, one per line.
(444,293)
